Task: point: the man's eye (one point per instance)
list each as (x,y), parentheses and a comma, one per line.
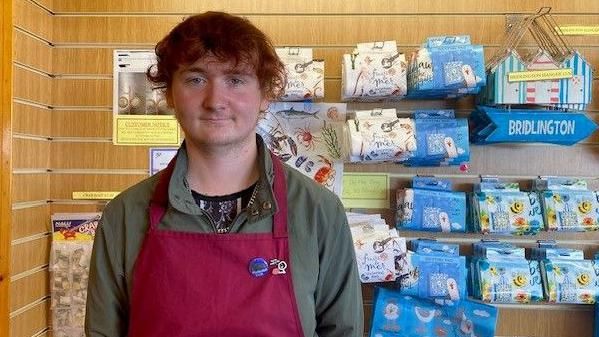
(195,80)
(236,81)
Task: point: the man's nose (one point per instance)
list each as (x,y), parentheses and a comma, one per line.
(214,96)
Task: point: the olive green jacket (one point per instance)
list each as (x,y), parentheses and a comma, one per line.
(325,278)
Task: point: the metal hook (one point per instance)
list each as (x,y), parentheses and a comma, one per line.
(378,45)
(301,67)
(293,51)
(387,62)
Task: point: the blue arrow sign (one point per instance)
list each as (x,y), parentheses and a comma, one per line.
(533,126)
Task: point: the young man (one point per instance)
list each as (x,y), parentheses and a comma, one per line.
(227,241)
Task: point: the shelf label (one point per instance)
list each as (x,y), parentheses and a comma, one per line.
(94,195)
(365,190)
(578,30)
(539,75)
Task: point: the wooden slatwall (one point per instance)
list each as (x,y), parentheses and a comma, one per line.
(63,98)
(5,159)
(32,103)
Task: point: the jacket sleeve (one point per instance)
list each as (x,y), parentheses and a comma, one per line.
(339,311)
(107,300)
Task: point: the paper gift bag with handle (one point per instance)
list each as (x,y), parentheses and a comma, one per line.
(555,75)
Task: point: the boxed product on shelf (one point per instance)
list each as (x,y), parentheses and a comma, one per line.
(446,66)
(397,314)
(436,271)
(441,139)
(567,276)
(70,256)
(374,71)
(379,135)
(432,138)
(305,75)
(499,273)
(501,208)
(431,205)
(568,205)
(380,252)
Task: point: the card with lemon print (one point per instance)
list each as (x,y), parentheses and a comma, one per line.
(515,281)
(570,281)
(516,213)
(571,210)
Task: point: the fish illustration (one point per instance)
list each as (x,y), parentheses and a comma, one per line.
(291,113)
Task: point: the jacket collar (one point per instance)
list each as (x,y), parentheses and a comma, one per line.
(263,205)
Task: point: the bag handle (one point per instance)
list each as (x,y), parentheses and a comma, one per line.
(544,31)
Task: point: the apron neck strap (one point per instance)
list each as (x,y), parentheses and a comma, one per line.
(159,201)
(280,191)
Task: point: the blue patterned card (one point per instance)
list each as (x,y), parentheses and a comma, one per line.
(396,314)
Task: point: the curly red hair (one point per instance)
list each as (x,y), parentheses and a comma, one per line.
(226,37)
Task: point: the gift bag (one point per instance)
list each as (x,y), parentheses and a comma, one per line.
(556,75)
(373,72)
(305,75)
(397,315)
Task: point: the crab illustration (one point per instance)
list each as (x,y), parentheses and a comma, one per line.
(306,138)
(278,142)
(326,174)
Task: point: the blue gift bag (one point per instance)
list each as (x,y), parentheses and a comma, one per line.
(396,315)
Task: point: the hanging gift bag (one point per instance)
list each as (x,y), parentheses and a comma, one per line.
(305,75)
(374,71)
(555,75)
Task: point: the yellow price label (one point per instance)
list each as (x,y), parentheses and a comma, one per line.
(94,195)
(365,190)
(539,75)
(578,30)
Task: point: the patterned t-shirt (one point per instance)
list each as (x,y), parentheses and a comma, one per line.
(223,209)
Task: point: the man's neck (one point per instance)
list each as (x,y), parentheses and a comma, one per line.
(215,172)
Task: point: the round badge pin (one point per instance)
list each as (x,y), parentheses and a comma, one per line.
(258,267)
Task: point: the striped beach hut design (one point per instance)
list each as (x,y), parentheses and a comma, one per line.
(542,92)
(570,93)
(575,92)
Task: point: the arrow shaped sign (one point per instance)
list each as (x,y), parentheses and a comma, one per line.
(529,126)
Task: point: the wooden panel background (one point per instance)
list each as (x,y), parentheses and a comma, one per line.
(32,106)
(29,289)
(318,7)
(30,221)
(32,321)
(63,67)
(6,49)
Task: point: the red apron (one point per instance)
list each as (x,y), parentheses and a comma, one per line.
(205,284)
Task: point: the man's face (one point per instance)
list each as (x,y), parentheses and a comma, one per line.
(216,103)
